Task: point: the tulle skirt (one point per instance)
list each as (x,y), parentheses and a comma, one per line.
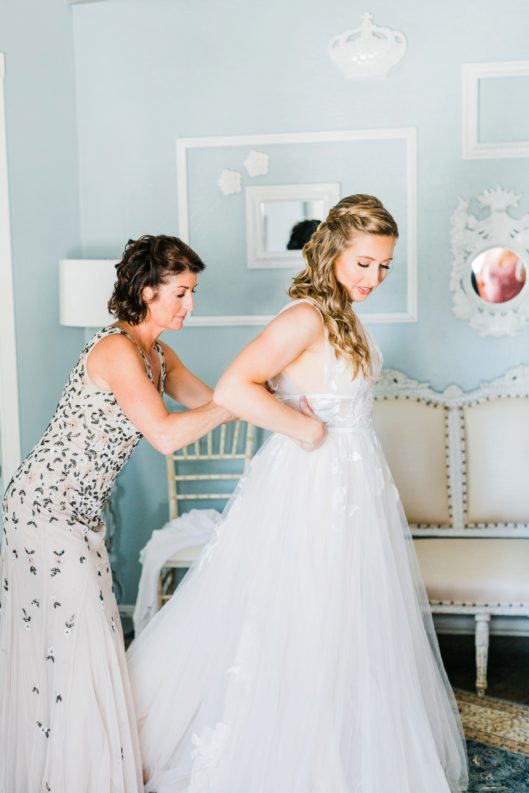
(298,655)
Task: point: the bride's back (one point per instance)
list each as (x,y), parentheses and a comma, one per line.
(318,370)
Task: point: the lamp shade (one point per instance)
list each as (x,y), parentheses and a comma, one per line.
(85,286)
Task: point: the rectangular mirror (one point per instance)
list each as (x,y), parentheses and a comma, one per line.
(280,219)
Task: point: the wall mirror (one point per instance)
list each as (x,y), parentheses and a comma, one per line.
(498,275)
(489,281)
(280,219)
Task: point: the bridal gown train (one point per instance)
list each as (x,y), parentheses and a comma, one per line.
(298,655)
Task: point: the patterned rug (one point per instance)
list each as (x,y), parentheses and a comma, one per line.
(498,744)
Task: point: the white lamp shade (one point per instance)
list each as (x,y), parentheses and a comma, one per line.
(85,286)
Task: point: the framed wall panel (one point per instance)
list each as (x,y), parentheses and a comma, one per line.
(212,179)
(513,87)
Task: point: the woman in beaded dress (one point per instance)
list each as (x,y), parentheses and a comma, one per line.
(66,714)
(298,655)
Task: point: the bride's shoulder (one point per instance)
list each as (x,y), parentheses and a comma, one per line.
(298,321)
(303,310)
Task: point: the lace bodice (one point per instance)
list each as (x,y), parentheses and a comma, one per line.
(345,400)
(72,469)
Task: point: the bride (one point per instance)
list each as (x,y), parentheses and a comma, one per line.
(298,655)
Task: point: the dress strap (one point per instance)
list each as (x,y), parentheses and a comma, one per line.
(112,330)
(163,365)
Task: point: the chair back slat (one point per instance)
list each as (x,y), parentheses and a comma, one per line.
(235,439)
(219,450)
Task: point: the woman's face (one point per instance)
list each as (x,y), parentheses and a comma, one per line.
(364,264)
(172,300)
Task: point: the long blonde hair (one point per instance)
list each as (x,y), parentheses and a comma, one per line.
(356,214)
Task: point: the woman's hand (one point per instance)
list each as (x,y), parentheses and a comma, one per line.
(317,430)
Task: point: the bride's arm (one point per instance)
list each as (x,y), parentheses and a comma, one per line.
(241,388)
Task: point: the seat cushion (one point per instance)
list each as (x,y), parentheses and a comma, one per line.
(475,571)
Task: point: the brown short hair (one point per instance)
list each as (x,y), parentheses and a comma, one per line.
(147,261)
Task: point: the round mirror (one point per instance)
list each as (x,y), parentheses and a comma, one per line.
(498,275)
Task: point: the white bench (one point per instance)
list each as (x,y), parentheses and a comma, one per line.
(461,464)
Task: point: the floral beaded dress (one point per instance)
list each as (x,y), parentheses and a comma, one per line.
(66,713)
(298,655)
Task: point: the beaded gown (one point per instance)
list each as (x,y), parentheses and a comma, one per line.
(66,714)
(298,655)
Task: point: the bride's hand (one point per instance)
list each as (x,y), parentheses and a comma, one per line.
(317,430)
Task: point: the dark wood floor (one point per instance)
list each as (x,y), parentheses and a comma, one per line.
(508,671)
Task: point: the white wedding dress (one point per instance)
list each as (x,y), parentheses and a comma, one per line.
(298,655)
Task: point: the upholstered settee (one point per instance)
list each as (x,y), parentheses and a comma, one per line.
(461,464)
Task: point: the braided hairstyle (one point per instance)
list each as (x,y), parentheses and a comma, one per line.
(148,261)
(356,214)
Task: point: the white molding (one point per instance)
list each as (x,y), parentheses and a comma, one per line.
(239,320)
(9,409)
(472,73)
(408,134)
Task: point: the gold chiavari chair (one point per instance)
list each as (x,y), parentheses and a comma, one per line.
(205,471)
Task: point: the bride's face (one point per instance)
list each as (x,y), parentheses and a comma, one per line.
(364,264)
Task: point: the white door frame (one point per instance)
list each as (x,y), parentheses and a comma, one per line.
(9,414)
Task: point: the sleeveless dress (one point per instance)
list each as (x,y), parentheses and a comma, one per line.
(298,655)
(66,716)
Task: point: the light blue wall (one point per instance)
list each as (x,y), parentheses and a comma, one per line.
(36,38)
(150,71)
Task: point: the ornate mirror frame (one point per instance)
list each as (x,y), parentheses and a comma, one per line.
(471,236)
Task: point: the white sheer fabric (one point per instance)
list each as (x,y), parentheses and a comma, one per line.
(299,656)
(190,529)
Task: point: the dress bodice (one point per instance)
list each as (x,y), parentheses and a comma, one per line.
(345,400)
(72,469)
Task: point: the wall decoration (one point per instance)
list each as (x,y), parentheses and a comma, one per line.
(378,161)
(490,270)
(367,51)
(474,75)
(256,163)
(229,182)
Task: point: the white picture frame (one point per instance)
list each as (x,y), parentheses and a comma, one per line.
(406,134)
(472,73)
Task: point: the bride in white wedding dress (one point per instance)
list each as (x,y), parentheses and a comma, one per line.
(298,655)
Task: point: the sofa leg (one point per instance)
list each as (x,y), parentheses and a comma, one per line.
(482,652)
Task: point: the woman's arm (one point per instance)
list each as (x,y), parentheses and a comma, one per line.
(119,364)
(181,384)
(241,389)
